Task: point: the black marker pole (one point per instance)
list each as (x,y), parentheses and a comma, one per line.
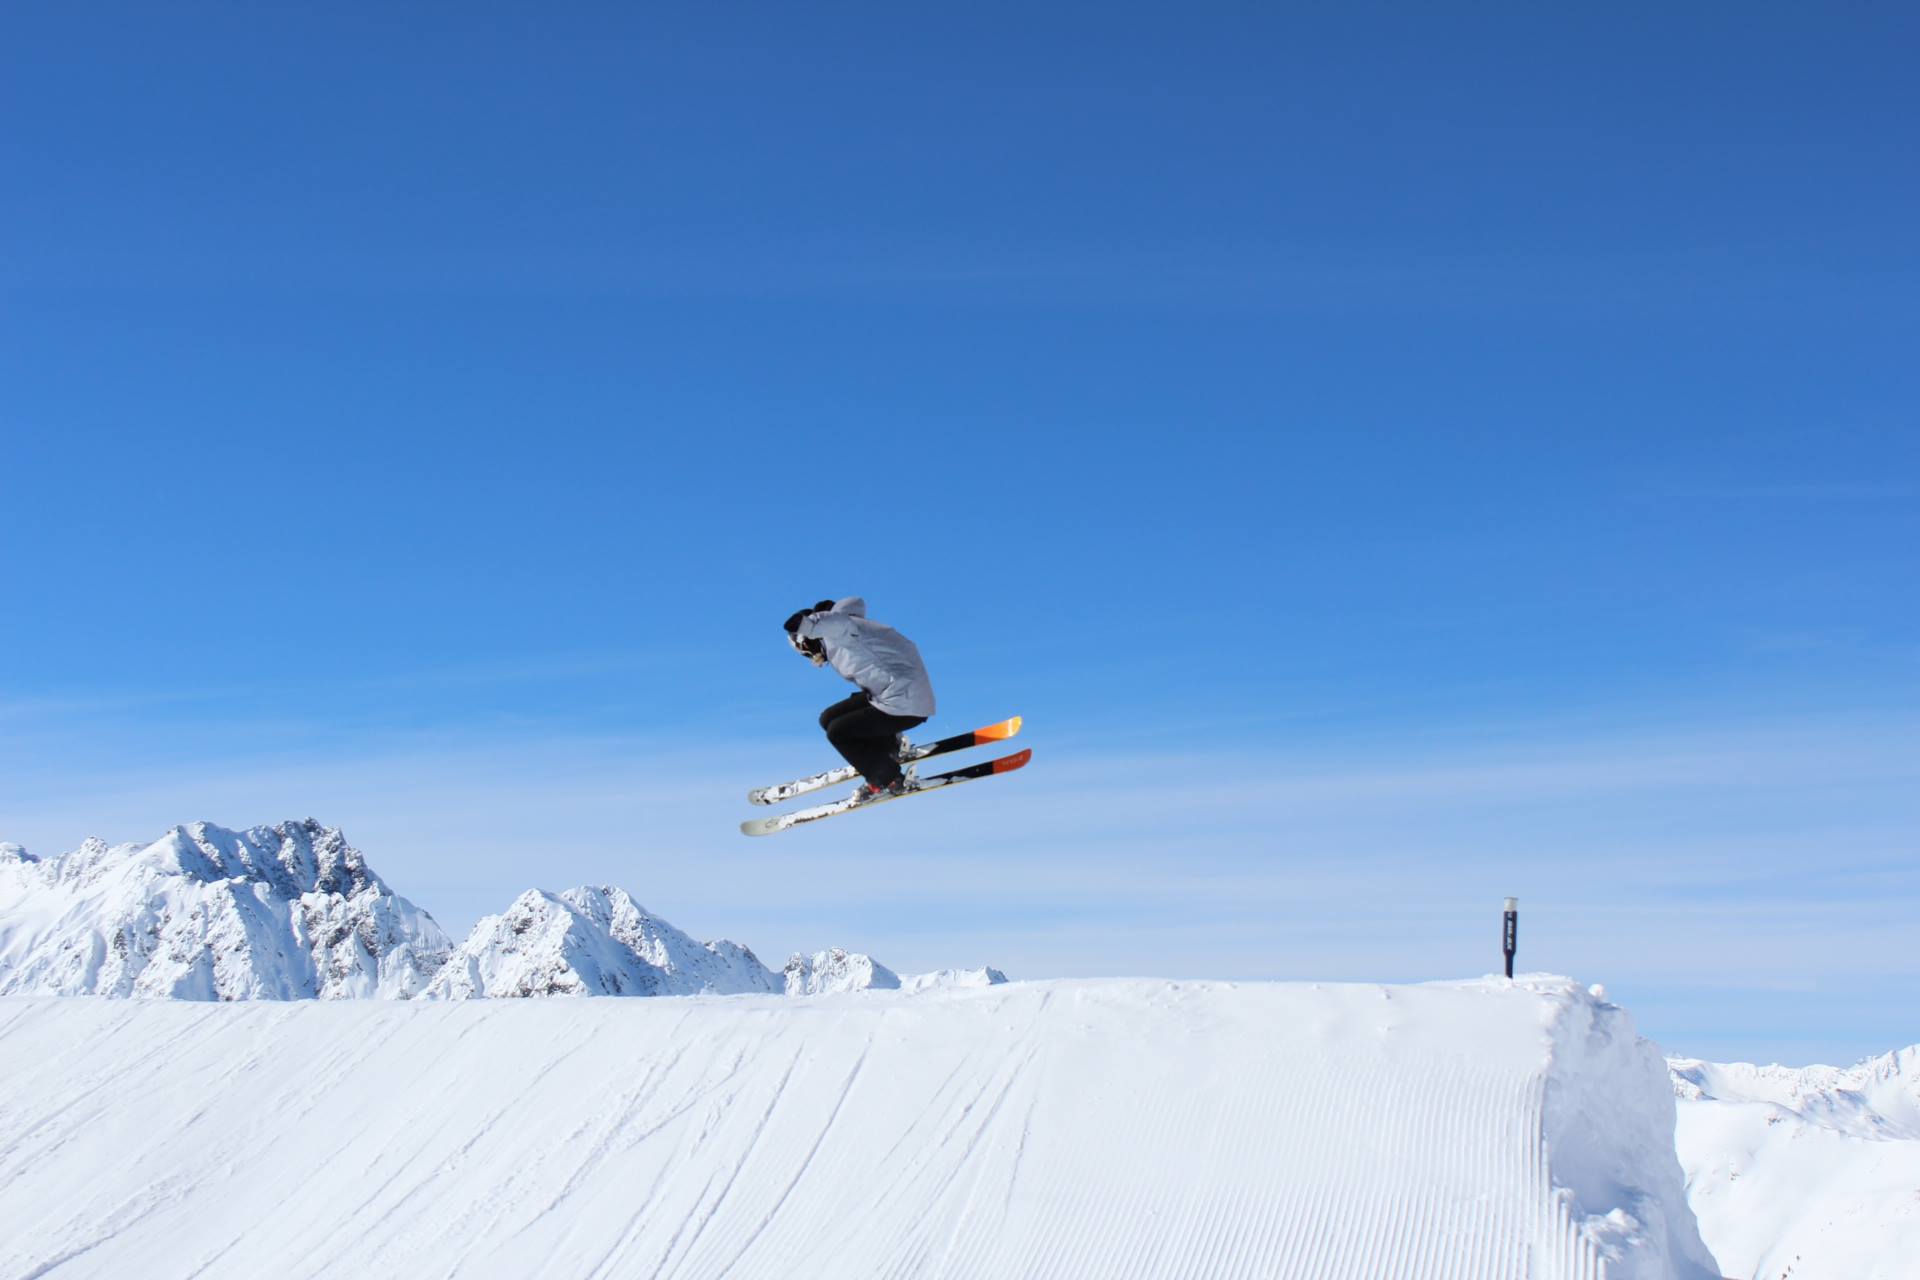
(1510,935)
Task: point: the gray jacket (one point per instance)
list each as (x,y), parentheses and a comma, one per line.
(874,656)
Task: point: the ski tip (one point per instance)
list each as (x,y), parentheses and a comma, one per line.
(1007,764)
(998,732)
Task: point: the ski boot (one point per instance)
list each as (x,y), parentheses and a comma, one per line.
(867,793)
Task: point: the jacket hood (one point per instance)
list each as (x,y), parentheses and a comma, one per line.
(852,605)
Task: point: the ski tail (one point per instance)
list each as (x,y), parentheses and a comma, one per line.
(973,738)
(985,769)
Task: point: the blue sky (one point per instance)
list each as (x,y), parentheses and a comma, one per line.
(1394,458)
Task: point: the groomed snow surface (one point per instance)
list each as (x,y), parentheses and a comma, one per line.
(1475,1130)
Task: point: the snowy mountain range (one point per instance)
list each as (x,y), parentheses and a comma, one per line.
(293,911)
(1811,1173)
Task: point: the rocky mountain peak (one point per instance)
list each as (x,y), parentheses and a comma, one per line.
(277,912)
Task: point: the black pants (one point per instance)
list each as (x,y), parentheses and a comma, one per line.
(866,737)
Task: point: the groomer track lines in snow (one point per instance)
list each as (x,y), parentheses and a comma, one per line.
(869,728)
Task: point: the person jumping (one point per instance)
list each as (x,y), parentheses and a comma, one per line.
(895,692)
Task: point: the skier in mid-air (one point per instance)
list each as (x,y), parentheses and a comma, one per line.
(869,729)
(895,693)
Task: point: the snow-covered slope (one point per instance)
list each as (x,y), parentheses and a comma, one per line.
(829,972)
(592,941)
(1808,1173)
(837,970)
(204,913)
(1480,1130)
(939,978)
